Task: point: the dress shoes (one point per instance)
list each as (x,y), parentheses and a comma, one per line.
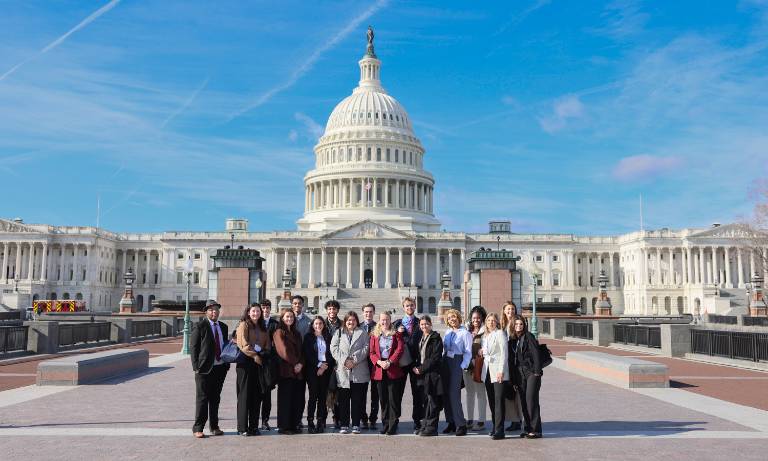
(461,430)
(254,432)
(425,433)
(244,434)
(499,436)
(285,432)
(217,432)
(265,426)
(513,427)
(450,428)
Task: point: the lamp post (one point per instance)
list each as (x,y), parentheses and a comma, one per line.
(534,320)
(127,303)
(187,326)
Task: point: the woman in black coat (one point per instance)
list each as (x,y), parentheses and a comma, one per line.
(319,368)
(427,368)
(524,359)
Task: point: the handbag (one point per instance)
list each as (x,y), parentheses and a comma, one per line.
(232,354)
(477,371)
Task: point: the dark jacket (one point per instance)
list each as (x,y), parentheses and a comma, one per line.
(288,348)
(331,327)
(310,356)
(272,325)
(412,339)
(430,365)
(202,349)
(524,356)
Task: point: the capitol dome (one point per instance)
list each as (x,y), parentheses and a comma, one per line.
(369,163)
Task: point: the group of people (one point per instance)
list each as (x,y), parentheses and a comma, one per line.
(495,359)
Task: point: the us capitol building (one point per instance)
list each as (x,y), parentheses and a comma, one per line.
(369,234)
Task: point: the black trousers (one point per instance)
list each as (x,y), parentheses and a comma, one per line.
(249,396)
(529,399)
(208,396)
(432,407)
(351,402)
(374,413)
(495,393)
(417,414)
(391,398)
(318,393)
(266,406)
(290,403)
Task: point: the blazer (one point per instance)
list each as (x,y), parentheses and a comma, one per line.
(272,325)
(249,335)
(202,349)
(495,348)
(477,344)
(310,356)
(412,339)
(288,348)
(394,371)
(332,326)
(430,364)
(357,350)
(525,357)
(303,325)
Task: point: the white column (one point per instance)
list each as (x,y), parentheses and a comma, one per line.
(361,282)
(644,262)
(31,261)
(671,274)
(375,195)
(349,268)
(413,266)
(702,270)
(375,268)
(3,268)
(728,268)
(462,257)
(397,203)
(387,280)
(44,265)
(386,195)
(285,261)
(548,266)
(424,270)
(751,264)
(400,267)
(299,281)
(450,266)
(322,267)
(740,274)
(689,266)
(715,270)
(612,268)
(658,267)
(311,275)
(437,268)
(17,269)
(335,266)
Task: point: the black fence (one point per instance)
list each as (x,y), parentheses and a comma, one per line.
(581,330)
(637,335)
(75,334)
(755,321)
(730,344)
(723,319)
(146,328)
(545,326)
(13,339)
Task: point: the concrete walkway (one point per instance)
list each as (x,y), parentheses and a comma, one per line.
(149,416)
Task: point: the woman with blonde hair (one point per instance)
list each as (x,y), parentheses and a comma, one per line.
(513,406)
(386,347)
(457,352)
(495,371)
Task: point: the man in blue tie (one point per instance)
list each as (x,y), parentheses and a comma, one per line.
(408,326)
(206,344)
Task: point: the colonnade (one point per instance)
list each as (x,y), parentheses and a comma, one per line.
(365,192)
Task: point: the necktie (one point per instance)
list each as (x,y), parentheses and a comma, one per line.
(217,341)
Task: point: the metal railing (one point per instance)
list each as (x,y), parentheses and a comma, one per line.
(13,339)
(582,330)
(724,319)
(730,344)
(755,321)
(146,328)
(74,334)
(637,335)
(545,326)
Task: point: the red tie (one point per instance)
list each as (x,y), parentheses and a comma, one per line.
(216,340)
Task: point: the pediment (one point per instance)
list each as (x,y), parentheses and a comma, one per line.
(733,231)
(12,226)
(368,230)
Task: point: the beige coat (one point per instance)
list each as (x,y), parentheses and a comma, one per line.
(357,350)
(495,355)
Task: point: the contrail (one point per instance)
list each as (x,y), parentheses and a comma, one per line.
(186,104)
(92,17)
(309,62)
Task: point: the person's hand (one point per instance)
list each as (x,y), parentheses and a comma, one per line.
(349,364)
(416,371)
(386,365)
(323,366)
(401,329)
(297,368)
(258,360)
(320,371)
(499,377)
(481,352)
(537,374)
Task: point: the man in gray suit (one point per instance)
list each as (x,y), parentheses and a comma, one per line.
(303,322)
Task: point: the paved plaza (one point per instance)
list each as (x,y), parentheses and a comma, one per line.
(149,416)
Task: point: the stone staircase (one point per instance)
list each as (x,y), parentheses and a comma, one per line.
(382,298)
(737,298)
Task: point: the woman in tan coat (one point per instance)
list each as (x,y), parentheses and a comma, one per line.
(253,341)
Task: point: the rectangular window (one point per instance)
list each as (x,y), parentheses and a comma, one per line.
(179,255)
(179,278)
(378,154)
(178,298)
(144,278)
(555,300)
(197,255)
(196,279)
(388,155)
(539,258)
(539,300)
(556,280)
(397,155)
(368,154)
(555,258)
(156,278)
(539,282)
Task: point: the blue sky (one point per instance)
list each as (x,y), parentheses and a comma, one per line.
(553,114)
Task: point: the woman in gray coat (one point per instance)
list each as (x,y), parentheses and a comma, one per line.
(349,347)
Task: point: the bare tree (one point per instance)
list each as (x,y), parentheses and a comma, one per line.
(756,226)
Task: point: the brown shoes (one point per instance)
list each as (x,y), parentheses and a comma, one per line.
(199,435)
(216,432)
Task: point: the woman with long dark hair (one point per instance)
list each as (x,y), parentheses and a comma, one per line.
(349,347)
(525,360)
(290,385)
(427,368)
(474,396)
(253,341)
(319,366)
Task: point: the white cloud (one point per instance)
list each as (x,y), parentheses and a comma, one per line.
(314,129)
(508,100)
(293,135)
(623,19)
(643,167)
(564,110)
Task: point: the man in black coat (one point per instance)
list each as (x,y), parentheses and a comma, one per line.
(208,339)
(408,326)
(368,324)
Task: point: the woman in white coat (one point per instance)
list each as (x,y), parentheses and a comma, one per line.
(349,347)
(495,371)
